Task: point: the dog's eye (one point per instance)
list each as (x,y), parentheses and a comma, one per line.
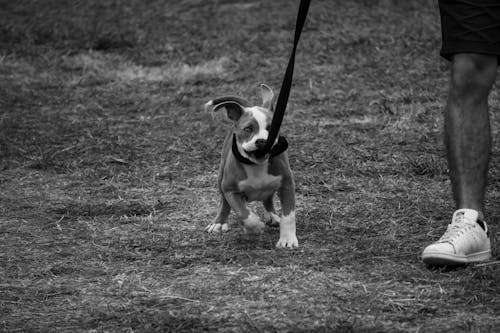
(248,129)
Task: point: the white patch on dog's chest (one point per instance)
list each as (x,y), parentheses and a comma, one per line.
(259,184)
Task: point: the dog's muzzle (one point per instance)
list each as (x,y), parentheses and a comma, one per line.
(261,151)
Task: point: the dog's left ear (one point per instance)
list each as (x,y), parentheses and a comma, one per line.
(267,97)
(234,106)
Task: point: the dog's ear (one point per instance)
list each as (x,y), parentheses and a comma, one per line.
(234,110)
(234,106)
(267,97)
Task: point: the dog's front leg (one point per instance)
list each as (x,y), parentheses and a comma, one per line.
(251,221)
(220,222)
(288,238)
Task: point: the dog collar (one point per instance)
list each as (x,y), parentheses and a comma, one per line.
(277,149)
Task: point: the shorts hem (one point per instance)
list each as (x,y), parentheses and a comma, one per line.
(452,48)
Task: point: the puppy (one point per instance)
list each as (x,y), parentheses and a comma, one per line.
(249,174)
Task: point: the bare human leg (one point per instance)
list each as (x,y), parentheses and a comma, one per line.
(468,142)
(467,128)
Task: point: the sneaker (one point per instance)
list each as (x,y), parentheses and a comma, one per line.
(465,241)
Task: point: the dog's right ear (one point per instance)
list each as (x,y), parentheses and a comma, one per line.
(267,97)
(234,106)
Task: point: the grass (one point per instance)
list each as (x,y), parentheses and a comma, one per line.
(109,165)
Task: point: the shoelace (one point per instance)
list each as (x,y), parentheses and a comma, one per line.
(455,230)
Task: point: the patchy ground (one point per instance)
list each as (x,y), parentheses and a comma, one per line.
(108,170)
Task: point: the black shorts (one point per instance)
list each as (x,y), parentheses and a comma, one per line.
(470,26)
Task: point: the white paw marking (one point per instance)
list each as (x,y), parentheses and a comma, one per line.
(288,239)
(216,227)
(253,224)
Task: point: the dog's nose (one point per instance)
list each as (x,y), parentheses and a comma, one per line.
(260,143)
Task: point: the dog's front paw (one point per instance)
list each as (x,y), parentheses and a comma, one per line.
(253,224)
(288,241)
(288,238)
(217,227)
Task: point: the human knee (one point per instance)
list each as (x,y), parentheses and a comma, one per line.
(473,75)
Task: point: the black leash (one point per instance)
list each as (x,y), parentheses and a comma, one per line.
(282,101)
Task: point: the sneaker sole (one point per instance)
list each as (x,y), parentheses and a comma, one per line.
(443,259)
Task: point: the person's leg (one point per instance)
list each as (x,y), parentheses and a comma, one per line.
(467,127)
(467,138)
(471,41)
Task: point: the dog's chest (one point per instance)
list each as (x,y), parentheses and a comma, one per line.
(259,184)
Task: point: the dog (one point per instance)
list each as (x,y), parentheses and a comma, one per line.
(248,173)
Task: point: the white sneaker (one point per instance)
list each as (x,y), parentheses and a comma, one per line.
(465,241)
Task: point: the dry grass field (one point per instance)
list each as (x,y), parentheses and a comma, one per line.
(108,170)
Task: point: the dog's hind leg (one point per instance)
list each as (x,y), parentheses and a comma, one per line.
(271,218)
(220,222)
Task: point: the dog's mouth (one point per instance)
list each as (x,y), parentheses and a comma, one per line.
(259,153)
